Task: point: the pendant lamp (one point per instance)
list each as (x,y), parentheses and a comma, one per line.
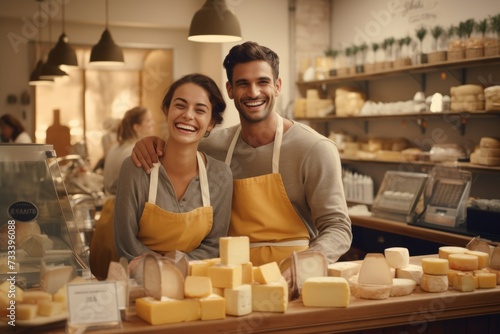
(214,23)
(35,79)
(106,52)
(51,70)
(62,53)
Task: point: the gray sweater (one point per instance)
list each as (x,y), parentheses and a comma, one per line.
(132,194)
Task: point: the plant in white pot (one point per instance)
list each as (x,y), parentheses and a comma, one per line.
(378,64)
(421,33)
(437,55)
(474,46)
(331,55)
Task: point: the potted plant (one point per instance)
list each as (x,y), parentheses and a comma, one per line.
(402,58)
(455,43)
(378,65)
(437,55)
(492,46)
(421,32)
(361,58)
(389,57)
(473,46)
(331,56)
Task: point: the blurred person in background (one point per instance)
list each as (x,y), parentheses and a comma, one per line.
(13,131)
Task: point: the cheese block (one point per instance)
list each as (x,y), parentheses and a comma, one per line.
(272,297)
(445,251)
(238,300)
(213,261)
(496,272)
(225,276)
(326,292)
(197,286)
(375,270)
(486,280)
(435,266)
(7,288)
(434,283)
(483,259)
(247,273)
(36,296)
(213,307)
(397,257)
(26,311)
(463,262)
(267,273)
(37,244)
(495,258)
(218,291)
(54,277)
(50,308)
(162,278)
(451,274)
(343,269)
(156,312)
(234,250)
(464,282)
(402,287)
(198,268)
(411,271)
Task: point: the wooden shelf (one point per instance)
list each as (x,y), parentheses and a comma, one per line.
(407,70)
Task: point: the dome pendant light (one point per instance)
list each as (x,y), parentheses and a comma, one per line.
(49,69)
(62,53)
(106,52)
(214,23)
(35,79)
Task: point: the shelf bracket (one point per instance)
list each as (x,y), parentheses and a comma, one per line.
(458,75)
(422,123)
(463,121)
(419,79)
(366,128)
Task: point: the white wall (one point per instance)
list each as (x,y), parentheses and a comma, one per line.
(156,23)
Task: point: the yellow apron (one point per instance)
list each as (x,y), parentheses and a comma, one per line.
(262,211)
(102,245)
(164,231)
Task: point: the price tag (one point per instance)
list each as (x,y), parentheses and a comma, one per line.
(93,305)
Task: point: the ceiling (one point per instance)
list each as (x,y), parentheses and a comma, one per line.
(136,13)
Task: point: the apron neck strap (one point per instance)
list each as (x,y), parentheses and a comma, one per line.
(202,174)
(278,138)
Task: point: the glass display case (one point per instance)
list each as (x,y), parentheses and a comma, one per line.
(37,224)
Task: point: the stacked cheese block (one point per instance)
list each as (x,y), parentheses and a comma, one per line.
(30,304)
(348,101)
(467,98)
(488,152)
(492,96)
(214,288)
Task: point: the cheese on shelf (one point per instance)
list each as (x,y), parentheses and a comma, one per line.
(343,269)
(464,282)
(238,300)
(213,307)
(326,292)
(435,266)
(375,270)
(370,291)
(397,257)
(483,259)
(411,271)
(267,273)
(486,280)
(402,287)
(223,276)
(197,286)
(272,297)
(50,308)
(234,250)
(464,262)
(434,283)
(156,312)
(445,251)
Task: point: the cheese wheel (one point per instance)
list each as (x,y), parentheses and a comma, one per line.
(483,259)
(464,262)
(487,280)
(445,251)
(435,266)
(402,287)
(162,279)
(397,257)
(464,282)
(375,270)
(434,283)
(411,271)
(343,269)
(371,291)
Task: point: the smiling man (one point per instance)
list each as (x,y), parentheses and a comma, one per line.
(287,192)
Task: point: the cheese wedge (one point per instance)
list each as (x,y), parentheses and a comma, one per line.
(434,283)
(238,300)
(375,270)
(162,278)
(435,266)
(156,312)
(343,269)
(397,257)
(213,307)
(272,297)
(267,273)
(234,250)
(326,292)
(402,287)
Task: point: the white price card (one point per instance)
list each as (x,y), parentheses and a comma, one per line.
(93,304)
